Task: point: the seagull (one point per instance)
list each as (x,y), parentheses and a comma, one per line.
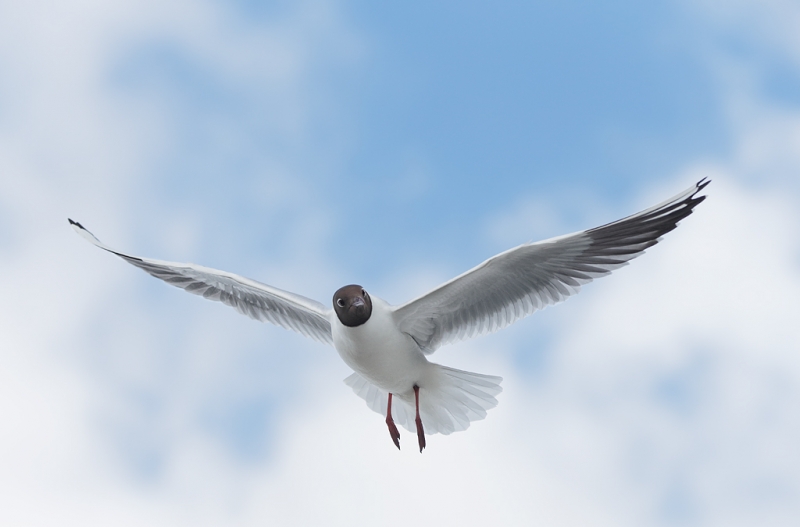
(387,346)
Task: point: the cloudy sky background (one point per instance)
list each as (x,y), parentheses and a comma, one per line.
(313,144)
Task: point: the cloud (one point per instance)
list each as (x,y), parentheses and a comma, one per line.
(684,366)
(99,402)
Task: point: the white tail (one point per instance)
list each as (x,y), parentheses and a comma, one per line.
(448,404)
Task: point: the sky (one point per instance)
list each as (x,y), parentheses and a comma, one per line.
(314,144)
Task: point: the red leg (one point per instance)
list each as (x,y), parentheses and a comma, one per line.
(390,423)
(420,430)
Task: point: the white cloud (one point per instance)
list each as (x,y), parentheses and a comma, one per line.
(98,406)
(685,363)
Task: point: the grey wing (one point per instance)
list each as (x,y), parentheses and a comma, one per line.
(259,301)
(522,280)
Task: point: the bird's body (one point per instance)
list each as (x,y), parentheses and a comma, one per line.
(381,353)
(388,361)
(387,346)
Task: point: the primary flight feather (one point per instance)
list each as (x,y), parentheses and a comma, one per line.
(386,346)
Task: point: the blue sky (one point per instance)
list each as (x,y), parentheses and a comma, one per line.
(504,100)
(313,144)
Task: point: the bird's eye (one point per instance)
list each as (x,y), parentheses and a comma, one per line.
(364,293)
(340,302)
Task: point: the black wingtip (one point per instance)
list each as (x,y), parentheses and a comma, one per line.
(694,199)
(75,223)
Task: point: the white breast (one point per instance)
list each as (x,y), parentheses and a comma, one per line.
(379,352)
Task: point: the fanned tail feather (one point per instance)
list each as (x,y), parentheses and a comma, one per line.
(449,401)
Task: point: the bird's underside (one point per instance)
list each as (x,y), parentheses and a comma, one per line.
(492,295)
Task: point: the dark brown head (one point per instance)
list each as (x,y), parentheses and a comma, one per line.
(353,305)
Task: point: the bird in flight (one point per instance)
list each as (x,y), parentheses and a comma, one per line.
(387,346)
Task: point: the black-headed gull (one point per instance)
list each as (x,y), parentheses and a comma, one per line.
(387,346)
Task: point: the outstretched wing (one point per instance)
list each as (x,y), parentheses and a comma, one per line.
(520,281)
(254,299)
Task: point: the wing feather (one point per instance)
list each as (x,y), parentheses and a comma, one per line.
(254,299)
(522,280)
